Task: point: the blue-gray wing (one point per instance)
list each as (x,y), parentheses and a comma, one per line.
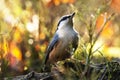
(51,46)
(75,42)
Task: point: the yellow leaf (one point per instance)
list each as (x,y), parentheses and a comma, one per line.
(15,51)
(42,36)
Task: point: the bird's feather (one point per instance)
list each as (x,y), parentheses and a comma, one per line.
(75,42)
(51,46)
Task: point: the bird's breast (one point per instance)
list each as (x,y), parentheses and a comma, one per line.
(66,33)
(64,46)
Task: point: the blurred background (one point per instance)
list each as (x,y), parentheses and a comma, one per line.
(27,26)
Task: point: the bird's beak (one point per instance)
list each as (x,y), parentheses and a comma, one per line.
(72,15)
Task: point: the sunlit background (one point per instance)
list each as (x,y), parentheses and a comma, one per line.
(27,26)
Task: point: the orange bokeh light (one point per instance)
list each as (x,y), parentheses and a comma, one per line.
(115,4)
(107,31)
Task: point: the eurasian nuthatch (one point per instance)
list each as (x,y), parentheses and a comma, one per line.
(64,42)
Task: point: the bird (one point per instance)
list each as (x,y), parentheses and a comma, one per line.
(64,42)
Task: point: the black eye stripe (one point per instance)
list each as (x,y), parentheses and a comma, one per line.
(62,19)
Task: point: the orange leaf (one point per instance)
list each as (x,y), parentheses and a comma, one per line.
(68,1)
(37,47)
(56,2)
(42,36)
(71,1)
(49,3)
(15,51)
(107,31)
(53,2)
(64,1)
(115,4)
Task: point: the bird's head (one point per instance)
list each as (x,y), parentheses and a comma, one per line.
(66,20)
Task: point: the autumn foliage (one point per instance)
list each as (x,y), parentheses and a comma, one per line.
(27,26)
(115,4)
